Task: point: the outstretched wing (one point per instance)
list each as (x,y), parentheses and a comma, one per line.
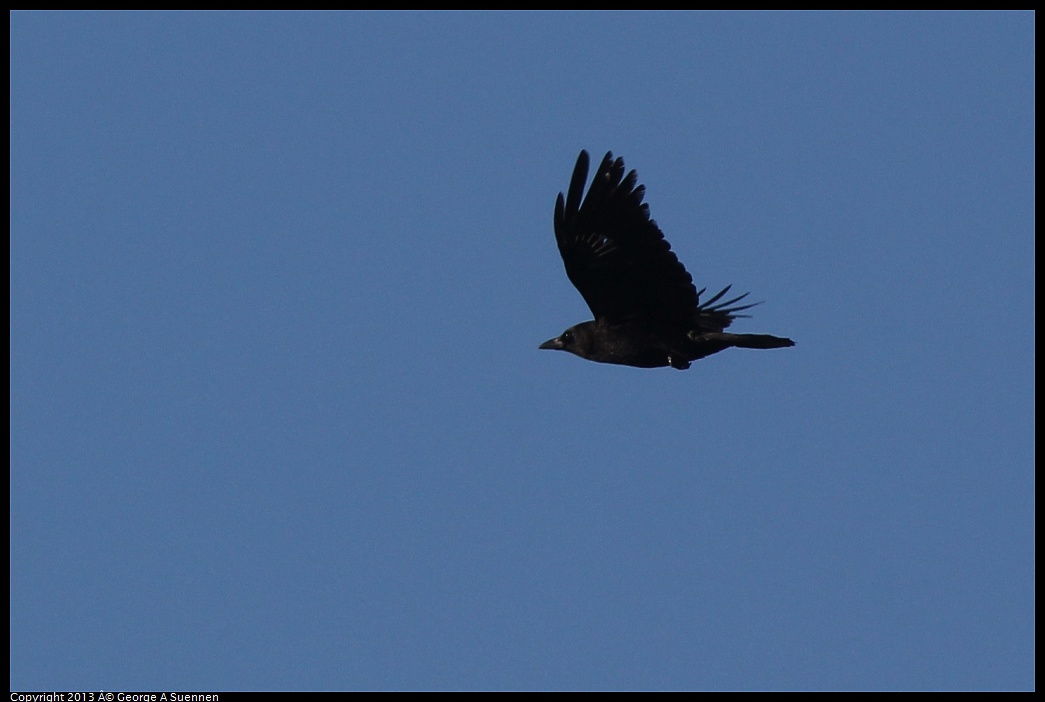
(617,257)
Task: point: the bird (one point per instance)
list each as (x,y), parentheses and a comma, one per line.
(648,313)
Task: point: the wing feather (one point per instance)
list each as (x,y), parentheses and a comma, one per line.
(618,259)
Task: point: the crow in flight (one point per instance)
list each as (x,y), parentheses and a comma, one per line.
(647,311)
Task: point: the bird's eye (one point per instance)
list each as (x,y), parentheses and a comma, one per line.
(567,337)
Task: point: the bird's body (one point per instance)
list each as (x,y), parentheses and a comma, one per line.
(647,311)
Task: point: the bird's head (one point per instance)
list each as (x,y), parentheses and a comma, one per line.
(577,340)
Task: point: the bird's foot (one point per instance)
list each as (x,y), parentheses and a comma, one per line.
(678,363)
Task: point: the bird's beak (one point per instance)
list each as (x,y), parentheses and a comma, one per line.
(555,343)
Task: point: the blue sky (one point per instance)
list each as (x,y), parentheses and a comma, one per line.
(278,416)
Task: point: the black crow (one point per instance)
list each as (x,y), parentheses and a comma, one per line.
(647,311)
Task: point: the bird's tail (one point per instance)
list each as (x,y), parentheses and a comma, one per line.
(713,342)
(757,341)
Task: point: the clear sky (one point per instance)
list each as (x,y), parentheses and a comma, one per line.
(278,416)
